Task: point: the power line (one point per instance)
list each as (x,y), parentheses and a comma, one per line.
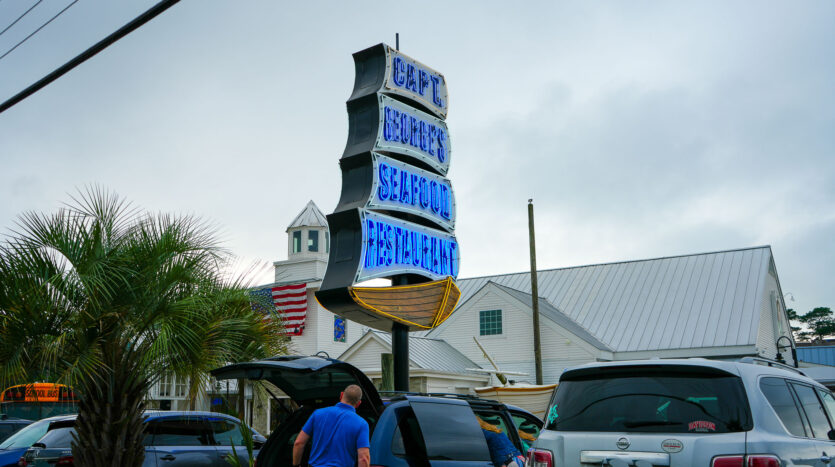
(37,30)
(84,56)
(21,16)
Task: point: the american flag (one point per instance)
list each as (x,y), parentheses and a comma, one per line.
(289,302)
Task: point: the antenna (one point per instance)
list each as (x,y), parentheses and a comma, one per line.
(397,41)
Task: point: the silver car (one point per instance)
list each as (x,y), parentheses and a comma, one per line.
(690,412)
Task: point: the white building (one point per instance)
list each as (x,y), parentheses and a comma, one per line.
(308,245)
(434,365)
(726,304)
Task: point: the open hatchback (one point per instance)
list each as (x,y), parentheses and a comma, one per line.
(311,382)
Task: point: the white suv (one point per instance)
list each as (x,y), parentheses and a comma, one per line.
(691,412)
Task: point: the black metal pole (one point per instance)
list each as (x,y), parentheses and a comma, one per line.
(400,332)
(400,346)
(400,351)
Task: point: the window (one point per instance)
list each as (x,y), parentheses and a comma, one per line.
(528,429)
(179,431)
(440,423)
(490,322)
(26,436)
(7,429)
(313,240)
(339,333)
(327,242)
(180,387)
(165,383)
(227,432)
(829,402)
(782,401)
(297,241)
(662,399)
(407,440)
(814,411)
(60,437)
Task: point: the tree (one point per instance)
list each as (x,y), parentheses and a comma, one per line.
(820,321)
(106,298)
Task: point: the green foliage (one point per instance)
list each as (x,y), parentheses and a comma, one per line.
(249,443)
(820,321)
(105,298)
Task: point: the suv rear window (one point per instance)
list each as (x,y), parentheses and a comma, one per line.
(60,437)
(650,400)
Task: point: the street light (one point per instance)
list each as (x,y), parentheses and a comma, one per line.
(779,357)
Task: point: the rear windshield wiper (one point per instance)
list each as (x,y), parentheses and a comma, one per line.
(639,423)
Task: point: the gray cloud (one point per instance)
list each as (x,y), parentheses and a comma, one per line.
(641,129)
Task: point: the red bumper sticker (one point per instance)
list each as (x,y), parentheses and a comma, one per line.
(701,426)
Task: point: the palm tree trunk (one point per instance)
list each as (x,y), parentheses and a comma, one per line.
(109,428)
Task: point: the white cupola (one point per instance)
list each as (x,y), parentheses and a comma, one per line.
(307,235)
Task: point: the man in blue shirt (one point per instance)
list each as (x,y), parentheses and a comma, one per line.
(340,436)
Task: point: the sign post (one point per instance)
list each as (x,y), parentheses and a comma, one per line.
(396,214)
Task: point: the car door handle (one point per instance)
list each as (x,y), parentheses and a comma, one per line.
(167,457)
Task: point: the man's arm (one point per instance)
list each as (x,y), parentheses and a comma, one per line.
(363,457)
(298,448)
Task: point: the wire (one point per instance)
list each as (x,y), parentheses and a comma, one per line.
(21,16)
(137,22)
(37,30)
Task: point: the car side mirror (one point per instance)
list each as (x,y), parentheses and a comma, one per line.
(831,435)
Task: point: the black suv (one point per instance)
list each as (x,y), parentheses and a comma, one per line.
(408,430)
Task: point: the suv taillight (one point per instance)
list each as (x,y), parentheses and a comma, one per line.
(539,458)
(64,460)
(728,461)
(756,460)
(763,461)
(21,462)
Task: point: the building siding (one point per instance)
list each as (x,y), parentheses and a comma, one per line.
(367,357)
(513,349)
(772,320)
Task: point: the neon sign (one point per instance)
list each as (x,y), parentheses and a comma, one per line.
(381,124)
(402,187)
(381,69)
(396,213)
(418,81)
(414,130)
(392,246)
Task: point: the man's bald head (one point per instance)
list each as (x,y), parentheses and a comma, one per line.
(352,395)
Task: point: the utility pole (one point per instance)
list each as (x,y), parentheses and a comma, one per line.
(537,345)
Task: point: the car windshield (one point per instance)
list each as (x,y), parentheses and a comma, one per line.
(26,436)
(650,400)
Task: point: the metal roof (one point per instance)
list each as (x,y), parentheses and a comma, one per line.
(820,354)
(547,310)
(310,216)
(433,354)
(691,301)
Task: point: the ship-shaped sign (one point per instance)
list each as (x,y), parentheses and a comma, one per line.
(396,213)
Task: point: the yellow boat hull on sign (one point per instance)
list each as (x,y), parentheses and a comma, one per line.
(418,306)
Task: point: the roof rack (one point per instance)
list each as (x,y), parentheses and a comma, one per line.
(769,362)
(450,395)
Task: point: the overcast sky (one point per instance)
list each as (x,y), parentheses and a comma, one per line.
(640,129)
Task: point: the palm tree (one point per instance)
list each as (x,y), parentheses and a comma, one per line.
(106,298)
